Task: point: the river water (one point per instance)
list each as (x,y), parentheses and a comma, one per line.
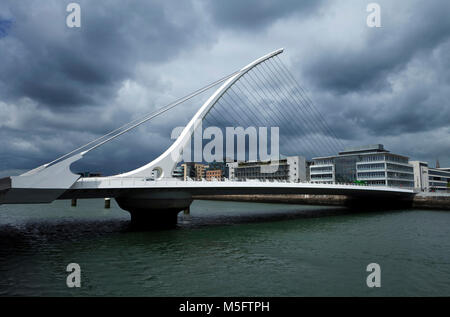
(224,249)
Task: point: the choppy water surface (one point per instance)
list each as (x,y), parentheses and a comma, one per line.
(224,249)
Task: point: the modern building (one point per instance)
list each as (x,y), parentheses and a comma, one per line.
(216,171)
(194,171)
(371,165)
(212,175)
(291,168)
(430,179)
(420,175)
(178,172)
(439,179)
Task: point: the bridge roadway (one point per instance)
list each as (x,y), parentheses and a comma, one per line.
(157,202)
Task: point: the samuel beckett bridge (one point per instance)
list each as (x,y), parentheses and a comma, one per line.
(263,94)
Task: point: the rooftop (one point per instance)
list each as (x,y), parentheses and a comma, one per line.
(364,148)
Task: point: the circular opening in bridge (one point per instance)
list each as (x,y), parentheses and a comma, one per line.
(157,173)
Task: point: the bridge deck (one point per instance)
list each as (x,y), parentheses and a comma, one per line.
(114,187)
(101,187)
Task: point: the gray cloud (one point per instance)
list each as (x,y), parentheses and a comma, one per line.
(407,30)
(254,15)
(62,87)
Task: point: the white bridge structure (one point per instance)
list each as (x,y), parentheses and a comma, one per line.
(158,200)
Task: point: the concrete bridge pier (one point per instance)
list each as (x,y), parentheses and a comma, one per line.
(156,210)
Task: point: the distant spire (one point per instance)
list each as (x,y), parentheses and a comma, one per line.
(437,164)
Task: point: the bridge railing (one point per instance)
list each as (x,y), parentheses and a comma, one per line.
(87,182)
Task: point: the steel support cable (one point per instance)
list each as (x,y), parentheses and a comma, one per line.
(219,107)
(308,125)
(287,94)
(208,122)
(262,124)
(237,105)
(286,120)
(310,103)
(215,120)
(273,115)
(296,114)
(304,144)
(284,99)
(268,115)
(241,109)
(228,95)
(322,129)
(212,113)
(307,108)
(231,114)
(301,92)
(261,108)
(226,101)
(137,122)
(315,114)
(327,132)
(250,105)
(245,107)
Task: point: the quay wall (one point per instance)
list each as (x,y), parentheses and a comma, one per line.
(420,201)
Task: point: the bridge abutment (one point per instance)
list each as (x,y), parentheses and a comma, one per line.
(156,210)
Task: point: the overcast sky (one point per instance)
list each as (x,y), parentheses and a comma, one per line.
(61,87)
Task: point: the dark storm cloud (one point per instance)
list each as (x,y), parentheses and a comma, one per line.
(5,26)
(46,61)
(384,50)
(62,87)
(254,15)
(56,83)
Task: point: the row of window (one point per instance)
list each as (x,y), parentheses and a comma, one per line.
(400,167)
(323,162)
(321,168)
(372,158)
(395,158)
(400,175)
(439,184)
(376,182)
(260,174)
(439,173)
(399,183)
(321,176)
(374,166)
(371,175)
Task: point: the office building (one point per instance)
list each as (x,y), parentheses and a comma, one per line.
(371,165)
(430,179)
(178,172)
(193,171)
(216,171)
(291,168)
(212,175)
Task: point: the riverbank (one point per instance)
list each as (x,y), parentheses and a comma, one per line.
(420,201)
(432,201)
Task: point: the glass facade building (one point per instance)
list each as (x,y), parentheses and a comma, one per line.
(371,165)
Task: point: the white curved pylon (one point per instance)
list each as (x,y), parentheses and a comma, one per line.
(166,162)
